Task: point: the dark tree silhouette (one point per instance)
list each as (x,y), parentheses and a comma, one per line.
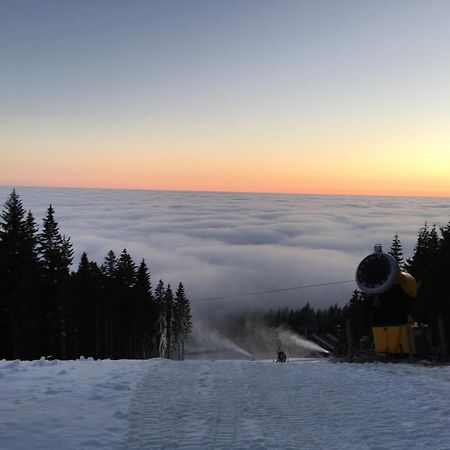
(18,279)
(182,320)
(56,256)
(105,312)
(397,251)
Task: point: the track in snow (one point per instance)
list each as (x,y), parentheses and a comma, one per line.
(307,405)
(213,405)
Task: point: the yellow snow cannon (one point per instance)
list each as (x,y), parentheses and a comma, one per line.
(392,293)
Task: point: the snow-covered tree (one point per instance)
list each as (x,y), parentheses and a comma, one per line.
(182,320)
(161,327)
(167,335)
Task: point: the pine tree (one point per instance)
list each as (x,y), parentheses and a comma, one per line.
(424,266)
(32,287)
(397,251)
(18,272)
(161,325)
(110,297)
(125,278)
(167,337)
(306,319)
(109,266)
(159,292)
(86,310)
(357,310)
(143,283)
(420,259)
(182,320)
(55,249)
(56,255)
(126,270)
(12,220)
(143,312)
(442,268)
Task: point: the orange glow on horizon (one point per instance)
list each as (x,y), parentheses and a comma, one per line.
(361,163)
(271,102)
(244,188)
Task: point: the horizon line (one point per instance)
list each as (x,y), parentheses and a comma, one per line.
(218,191)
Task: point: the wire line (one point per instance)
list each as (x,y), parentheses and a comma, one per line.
(272,291)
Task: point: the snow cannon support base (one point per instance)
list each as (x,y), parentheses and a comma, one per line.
(402,339)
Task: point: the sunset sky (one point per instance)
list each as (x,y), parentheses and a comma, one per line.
(347,97)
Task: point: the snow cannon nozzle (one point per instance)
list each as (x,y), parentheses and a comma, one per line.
(377,272)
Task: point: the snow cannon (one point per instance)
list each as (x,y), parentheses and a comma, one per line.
(378,272)
(392,293)
(281,356)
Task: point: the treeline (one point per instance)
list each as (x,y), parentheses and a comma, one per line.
(307,320)
(430,266)
(252,328)
(105,311)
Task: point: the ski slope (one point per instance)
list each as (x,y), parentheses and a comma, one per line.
(304,404)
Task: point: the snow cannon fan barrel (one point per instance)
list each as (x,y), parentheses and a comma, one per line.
(392,294)
(378,272)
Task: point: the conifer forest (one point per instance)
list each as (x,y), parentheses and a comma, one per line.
(104,311)
(51,307)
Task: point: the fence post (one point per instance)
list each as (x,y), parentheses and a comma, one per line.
(410,340)
(442,337)
(348,330)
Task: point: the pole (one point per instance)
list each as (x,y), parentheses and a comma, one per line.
(442,337)
(348,330)
(410,340)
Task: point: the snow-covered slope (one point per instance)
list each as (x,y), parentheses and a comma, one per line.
(306,404)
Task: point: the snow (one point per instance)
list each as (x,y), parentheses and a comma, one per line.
(193,404)
(65,404)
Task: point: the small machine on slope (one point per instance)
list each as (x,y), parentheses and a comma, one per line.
(392,292)
(281,356)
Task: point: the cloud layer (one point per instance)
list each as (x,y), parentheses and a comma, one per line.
(227,243)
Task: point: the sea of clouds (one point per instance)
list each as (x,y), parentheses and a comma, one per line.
(231,243)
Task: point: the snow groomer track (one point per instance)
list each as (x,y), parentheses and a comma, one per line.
(305,404)
(199,404)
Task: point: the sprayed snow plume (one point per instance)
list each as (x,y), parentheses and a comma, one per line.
(208,343)
(263,341)
(255,340)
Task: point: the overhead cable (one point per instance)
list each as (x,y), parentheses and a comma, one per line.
(272,291)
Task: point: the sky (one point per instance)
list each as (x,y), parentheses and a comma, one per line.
(224,244)
(325,97)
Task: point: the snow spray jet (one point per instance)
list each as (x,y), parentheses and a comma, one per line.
(207,342)
(263,341)
(228,343)
(293,338)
